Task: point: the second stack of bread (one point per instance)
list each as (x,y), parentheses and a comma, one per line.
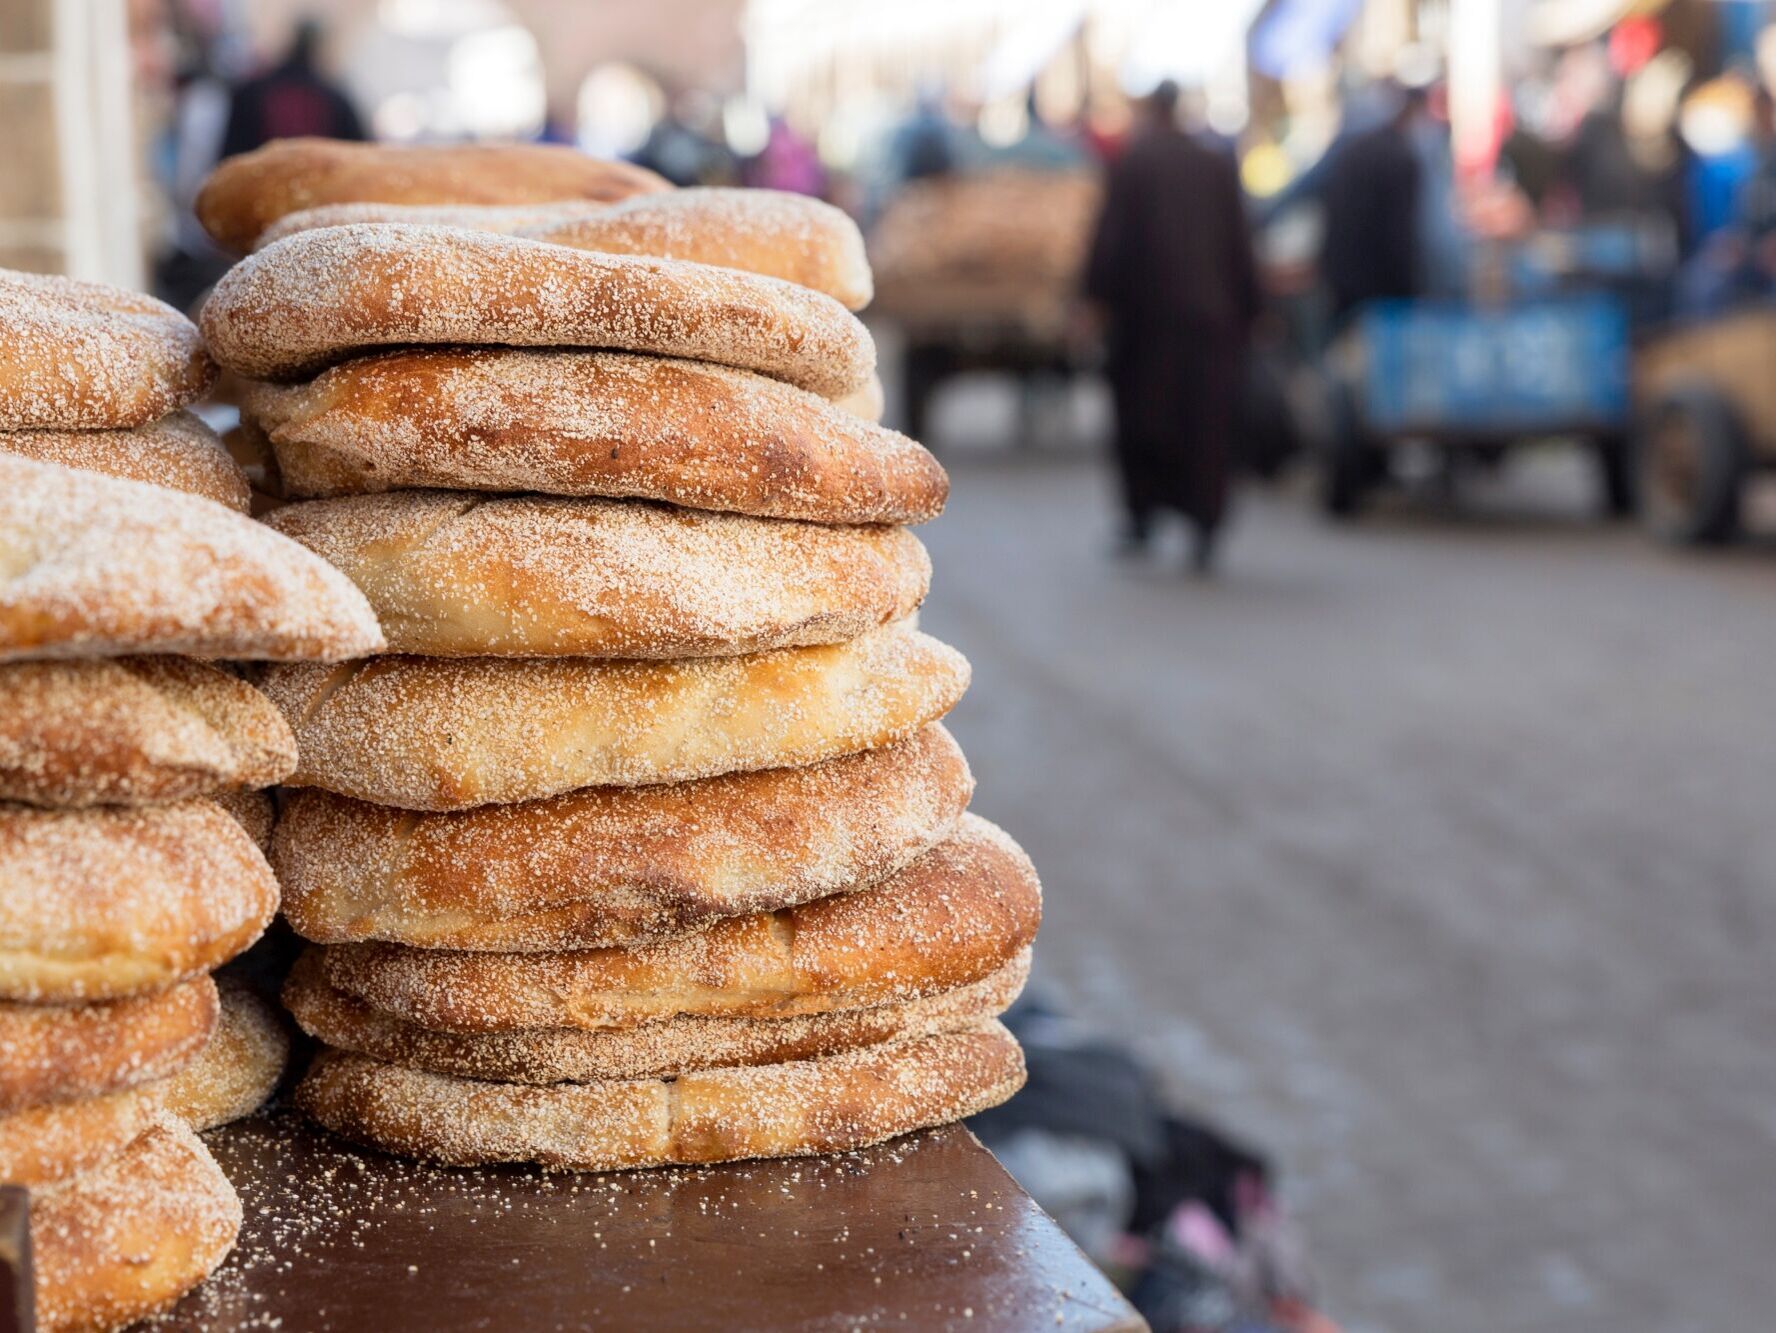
(130,830)
(647,845)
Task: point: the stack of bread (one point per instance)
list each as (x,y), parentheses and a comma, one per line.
(129,866)
(644,844)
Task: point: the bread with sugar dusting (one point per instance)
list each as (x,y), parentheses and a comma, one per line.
(961,911)
(128,1238)
(134,731)
(246,194)
(453,574)
(115,901)
(68,1052)
(178,452)
(86,356)
(98,566)
(782,235)
(794,1109)
(426,733)
(576,422)
(609,865)
(319,296)
(503,219)
(657,1050)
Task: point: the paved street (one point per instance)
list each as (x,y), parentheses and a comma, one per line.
(1436,856)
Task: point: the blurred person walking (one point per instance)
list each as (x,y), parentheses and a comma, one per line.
(1172,275)
(1372,200)
(290,100)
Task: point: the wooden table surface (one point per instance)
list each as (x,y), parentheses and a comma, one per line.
(927,1232)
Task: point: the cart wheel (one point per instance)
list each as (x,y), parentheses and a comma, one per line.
(1347,460)
(1690,465)
(1615,475)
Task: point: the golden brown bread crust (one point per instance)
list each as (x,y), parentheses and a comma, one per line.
(61,1053)
(452,574)
(573,422)
(505,219)
(253,454)
(98,566)
(961,911)
(134,731)
(254,811)
(867,403)
(131,1236)
(319,296)
(43,1144)
(246,194)
(781,235)
(239,1067)
(794,1109)
(657,1050)
(84,356)
(178,452)
(449,734)
(608,865)
(115,901)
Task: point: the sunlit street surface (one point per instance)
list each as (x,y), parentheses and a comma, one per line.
(1422,853)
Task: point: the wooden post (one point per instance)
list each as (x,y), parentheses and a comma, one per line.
(68,199)
(17,1312)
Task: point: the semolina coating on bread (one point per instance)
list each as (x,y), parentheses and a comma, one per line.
(424,733)
(960,912)
(134,731)
(568,421)
(132,1235)
(86,356)
(178,452)
(114,901)
(794,1109)
(612,865)
(454,574)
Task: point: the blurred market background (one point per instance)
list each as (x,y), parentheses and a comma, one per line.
(1407,832)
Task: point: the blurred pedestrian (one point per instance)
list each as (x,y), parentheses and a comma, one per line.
(923,145)
(1172,275)
(686,145)
(292,99)
(1372,202)
(789,161)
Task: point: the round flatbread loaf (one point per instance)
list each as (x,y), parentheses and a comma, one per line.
(254,811)
(239,1067)
(960,912)
(319,296)
(128,1238)
(773,232)
(134,730)
(450,574)
(608,865)
(657,1050)
(178,452)
(569,422)
(795,1109)
(84,356)
(98,566)
(246,194)
(62,1053)
(116,901)
(44,1144)
(505,219)
(867,403)
(438,734)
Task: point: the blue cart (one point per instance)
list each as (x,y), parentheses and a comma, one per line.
(1474,379)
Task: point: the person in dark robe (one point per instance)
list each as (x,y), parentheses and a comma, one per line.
(1370,251)
(1172,276)
(290,100)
